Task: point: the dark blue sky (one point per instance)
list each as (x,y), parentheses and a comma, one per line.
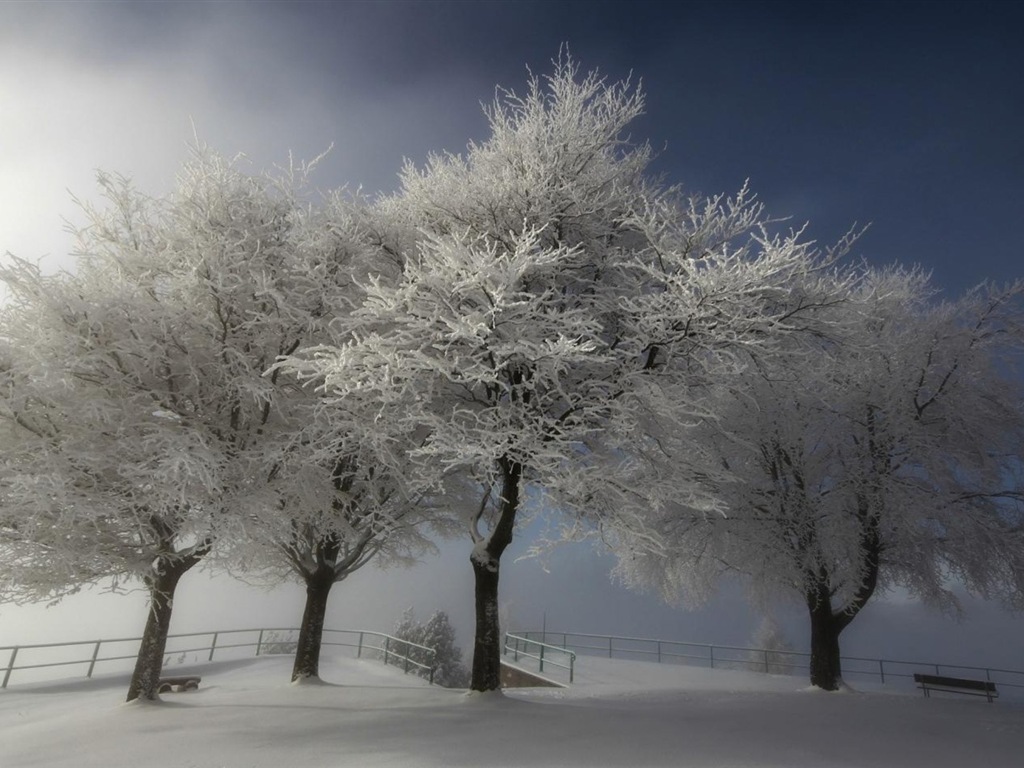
(904,115)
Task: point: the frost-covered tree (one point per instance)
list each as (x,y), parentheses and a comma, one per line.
(491,344)
(772,650)
(445,666)
(884,456)
(144,431)
(338,501)
(351,514)
(552,302)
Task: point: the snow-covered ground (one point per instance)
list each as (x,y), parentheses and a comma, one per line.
(621,713)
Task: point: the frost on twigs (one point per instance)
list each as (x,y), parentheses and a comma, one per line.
(558,319)
(442,663)
(877,454)
(142,428)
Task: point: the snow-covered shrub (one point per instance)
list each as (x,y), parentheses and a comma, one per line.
(772,652)
(277,643)
(437,633)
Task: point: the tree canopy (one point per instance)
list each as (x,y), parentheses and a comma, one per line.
(244,373)
(882,456)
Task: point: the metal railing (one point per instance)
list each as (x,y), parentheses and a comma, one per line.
(521,646)
(760,659)
(392,650)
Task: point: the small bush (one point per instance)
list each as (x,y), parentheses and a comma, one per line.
(277,643)
(438,634)
(775,652)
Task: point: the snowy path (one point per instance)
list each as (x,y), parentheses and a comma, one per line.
(622,713)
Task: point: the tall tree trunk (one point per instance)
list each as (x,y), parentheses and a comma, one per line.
(307,650)
(826,668)
(486,561)
(487,641)
(826,623)
(149,663)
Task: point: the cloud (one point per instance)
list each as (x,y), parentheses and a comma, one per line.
(95,90)
(69,114)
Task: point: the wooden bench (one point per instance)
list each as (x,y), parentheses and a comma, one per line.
(929,683)
(185,683)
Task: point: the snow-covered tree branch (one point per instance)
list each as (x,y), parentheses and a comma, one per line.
(556,309)
(144,433)
(883,457)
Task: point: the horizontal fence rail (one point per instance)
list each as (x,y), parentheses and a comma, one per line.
(88,654)
(760,659)
(541,652)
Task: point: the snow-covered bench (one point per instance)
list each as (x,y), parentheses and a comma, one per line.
(929,683)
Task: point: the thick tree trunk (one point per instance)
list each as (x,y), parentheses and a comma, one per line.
(307,651)
(487,641)
(826,668)
(149,663)
(486,560)
(826,623)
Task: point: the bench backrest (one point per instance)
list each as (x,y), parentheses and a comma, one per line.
(955,682)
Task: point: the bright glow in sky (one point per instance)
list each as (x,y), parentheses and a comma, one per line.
(903,115)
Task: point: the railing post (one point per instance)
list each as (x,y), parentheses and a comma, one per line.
(504,646)
(572,664)
(359,650)
(711,648)
(609,646)
(659,651)
(542,658)
(213,645)
(564,636)
(259,643)
(937,670)
(881,670)
(92,661)
(408,650)
(387,646)
(10,666)
(766,661)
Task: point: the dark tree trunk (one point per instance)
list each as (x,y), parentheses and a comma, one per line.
(826,668)
(487,641)
(827,624)
(486,560)
(149,663)
(307,650)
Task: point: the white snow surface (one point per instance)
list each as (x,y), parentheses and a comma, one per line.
(621,713)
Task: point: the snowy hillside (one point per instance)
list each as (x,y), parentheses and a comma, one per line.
(622,713)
